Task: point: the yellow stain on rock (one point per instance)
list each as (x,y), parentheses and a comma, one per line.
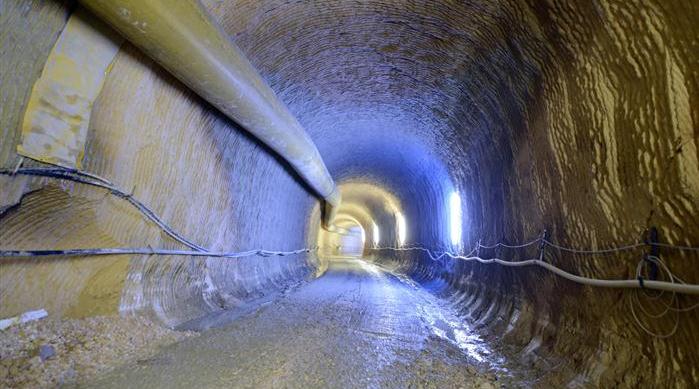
(56,120)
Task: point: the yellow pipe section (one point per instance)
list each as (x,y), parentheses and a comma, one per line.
(181,36)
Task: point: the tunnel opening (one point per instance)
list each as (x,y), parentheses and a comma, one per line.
(347,239)
(454,194)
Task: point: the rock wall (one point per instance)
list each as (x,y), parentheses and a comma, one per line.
(575,117)
(198,171)
(601,147)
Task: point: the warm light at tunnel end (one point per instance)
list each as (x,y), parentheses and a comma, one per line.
(455,218)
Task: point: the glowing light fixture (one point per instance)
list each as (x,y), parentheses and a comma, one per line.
(455,218)
(375,232)
(400,228)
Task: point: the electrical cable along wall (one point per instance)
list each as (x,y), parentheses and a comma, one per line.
(674,284)
(575,117)
(82,177)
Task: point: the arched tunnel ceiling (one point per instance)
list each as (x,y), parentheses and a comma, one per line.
(407,74)
(575,117)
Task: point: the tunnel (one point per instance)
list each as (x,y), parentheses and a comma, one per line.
(474,193)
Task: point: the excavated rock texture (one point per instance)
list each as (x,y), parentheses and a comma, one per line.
(204,177)
(575,117)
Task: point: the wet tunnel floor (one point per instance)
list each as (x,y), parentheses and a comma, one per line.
(355,326)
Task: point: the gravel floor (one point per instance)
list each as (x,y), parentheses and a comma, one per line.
(355,327)
(76,350)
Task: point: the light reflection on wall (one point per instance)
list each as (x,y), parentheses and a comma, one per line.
(401,232)
(376,234)
(455,218)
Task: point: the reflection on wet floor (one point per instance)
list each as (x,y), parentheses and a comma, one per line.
(356,326)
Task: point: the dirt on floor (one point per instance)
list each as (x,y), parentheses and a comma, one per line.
(439,365)
(57,352)
(357,326)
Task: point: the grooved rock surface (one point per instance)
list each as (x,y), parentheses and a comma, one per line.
(575,117)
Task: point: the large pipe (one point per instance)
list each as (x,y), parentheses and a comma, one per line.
(181,36)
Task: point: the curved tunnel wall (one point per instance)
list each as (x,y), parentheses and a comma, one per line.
(578,118)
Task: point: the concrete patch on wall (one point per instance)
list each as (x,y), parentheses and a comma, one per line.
(55,123)
(29,31)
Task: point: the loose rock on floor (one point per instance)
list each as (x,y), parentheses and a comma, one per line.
(55,352)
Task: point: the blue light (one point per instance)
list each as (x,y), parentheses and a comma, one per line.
(455,218)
